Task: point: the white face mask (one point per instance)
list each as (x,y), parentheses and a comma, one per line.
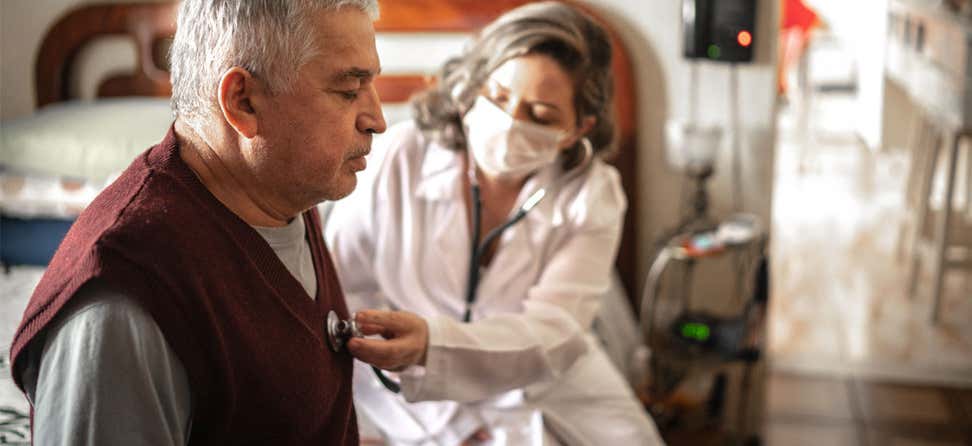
(503,146)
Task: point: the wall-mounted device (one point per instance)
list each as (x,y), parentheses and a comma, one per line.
(719,30)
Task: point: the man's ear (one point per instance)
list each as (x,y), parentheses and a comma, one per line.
(238,91)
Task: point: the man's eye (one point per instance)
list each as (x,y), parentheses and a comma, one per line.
(349,94)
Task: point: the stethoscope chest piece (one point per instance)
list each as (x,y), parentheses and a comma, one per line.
(340,331)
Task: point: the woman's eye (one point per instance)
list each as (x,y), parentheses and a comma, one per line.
(543,120)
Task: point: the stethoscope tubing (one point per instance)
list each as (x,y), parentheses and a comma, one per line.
(479,249)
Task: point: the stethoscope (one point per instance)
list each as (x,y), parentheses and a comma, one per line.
(340,331)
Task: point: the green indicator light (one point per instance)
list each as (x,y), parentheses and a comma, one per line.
(693,330)
(713,51)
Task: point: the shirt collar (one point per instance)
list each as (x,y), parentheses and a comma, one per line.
(284,236)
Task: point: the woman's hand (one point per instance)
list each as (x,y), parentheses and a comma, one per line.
(406,339)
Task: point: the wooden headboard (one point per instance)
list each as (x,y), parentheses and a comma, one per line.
(151,25)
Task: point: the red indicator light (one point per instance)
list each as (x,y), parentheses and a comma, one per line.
(744,38)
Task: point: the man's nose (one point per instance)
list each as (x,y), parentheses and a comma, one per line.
(372,119)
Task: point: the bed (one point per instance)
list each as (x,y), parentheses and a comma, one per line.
(56,160)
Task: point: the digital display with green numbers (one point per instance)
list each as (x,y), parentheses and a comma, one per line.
(696,331)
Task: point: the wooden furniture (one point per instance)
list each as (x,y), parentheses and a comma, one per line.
(152,24)
(941,238)
(926,56)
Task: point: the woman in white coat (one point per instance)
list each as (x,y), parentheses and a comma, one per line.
(495,345)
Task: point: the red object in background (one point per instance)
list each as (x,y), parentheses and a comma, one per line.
(701,245)
(798,15)
(797,24)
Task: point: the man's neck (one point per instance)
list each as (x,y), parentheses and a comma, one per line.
(218,177)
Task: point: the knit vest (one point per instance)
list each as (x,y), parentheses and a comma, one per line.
(252,341)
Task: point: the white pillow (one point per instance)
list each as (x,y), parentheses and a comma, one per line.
(84,139)
(93,140)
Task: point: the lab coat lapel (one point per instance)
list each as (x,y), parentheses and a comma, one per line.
(522,246)
(450,246)
(515,261)
(440,187)
(439,179)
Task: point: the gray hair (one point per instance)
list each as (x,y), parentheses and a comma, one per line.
(570,37)
(271,39)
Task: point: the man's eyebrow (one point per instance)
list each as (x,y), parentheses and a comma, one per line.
(356,73)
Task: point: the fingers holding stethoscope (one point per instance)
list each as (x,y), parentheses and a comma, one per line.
(405,339)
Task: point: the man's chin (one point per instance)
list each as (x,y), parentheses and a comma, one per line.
(344,189)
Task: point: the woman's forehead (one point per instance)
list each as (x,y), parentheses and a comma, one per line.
(534,74)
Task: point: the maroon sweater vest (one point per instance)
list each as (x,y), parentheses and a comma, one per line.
(252,341)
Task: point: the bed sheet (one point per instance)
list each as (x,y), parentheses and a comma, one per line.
(16,286)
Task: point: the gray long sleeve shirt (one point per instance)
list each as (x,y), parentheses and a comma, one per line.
(102,373)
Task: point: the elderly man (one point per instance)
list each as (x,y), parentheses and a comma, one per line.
(187,304)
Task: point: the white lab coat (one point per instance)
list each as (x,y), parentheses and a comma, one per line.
(401,241)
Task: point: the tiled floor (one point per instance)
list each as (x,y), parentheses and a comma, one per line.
(844,335)
(803,409)
(811,410)
(839,303)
